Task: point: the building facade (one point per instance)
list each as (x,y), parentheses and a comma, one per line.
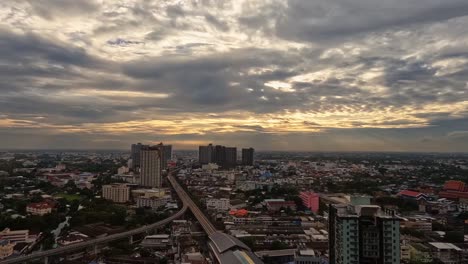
(310,200)
(42,208)
(153,202)
(248,156)
(362,234)
(118,193)
(205,154)
(231,156)
(222,204)
(151,167)
(167,155)
(135,155)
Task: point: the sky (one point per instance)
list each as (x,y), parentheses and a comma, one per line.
(306,75)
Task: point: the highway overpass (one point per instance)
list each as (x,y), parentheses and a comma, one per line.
(225,249)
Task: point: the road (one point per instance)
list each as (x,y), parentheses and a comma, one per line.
(185,198)
(93,242)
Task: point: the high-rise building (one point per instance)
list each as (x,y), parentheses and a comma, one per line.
(205,154)
(362,234)
(135,155)
(231,156)
(248,156)
(151,159)
(219,155)
(118,193)
(167,154)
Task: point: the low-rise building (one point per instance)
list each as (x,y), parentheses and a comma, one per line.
(16,236)
(222,204)
(153,202)
(157,241)
(118,193)
(39,208)
(276,206)
(308,256)
(422,225)
(447,253)
(6,248)
(149,193)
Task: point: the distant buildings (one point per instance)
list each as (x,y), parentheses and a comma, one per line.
(363,234)
(135,155)
(310,200)
(248,156)
(41,208)
(151,159)
(205,154)
(118,193)
(231,156)
(223,156)
(167,155)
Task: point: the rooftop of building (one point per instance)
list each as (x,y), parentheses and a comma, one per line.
(4,242)
(444,246)
(41,205)
(275,253)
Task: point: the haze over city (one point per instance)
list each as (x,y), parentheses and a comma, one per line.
(274,75)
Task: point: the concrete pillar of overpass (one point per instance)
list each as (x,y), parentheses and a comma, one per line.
(46,260)
(130,240)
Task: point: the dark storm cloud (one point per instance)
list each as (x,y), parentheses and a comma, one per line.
(314,20)
(206,82)
(30,48)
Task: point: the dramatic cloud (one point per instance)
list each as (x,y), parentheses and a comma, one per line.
(294,75)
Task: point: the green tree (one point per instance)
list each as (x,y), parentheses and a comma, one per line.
(277,245)
(454,237)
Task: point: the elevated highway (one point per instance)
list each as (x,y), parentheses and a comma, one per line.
(225,249)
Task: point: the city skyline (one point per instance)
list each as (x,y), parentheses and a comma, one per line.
(298,75)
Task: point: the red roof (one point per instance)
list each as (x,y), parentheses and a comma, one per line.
(454,186)
(42,205)
(410,193)
(453,195)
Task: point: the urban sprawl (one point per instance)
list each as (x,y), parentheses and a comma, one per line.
(223,204)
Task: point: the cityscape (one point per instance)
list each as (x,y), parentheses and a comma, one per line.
(234,132)
(156,204)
